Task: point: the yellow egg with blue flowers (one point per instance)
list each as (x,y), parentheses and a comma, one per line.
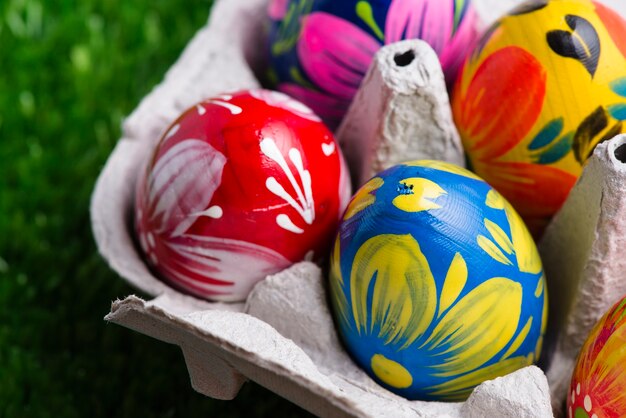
(436,284)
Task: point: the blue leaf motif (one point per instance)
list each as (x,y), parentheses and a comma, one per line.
(548,134)
(619,86)
(558,150)
(618,111)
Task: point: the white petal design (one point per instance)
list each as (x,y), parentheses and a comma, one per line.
(328,149)
(233,109)
(224,260)
(303,201)
(282,101)
(182,183)
(214,212)
(286,223)
(173,130)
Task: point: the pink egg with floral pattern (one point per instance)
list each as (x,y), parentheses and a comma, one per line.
(598,387)
(320,50)
(239,187)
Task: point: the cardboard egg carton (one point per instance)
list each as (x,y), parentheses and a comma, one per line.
(283,336)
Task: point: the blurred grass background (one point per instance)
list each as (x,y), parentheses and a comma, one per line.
(70,71)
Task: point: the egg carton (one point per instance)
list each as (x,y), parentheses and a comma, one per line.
(283,336)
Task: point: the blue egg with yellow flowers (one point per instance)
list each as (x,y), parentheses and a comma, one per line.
(435,282)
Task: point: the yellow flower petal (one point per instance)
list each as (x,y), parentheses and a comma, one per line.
(539,289)
(519,340)
(454,283)
(363,197)
(391,372)
(539,347)
(528,260)
(495,200)
(501,238)
(477,327)
(404,296)
(421,193)
(492,249)
(459,389)
(544,312)
(443,166)
(526,253)
(338,297)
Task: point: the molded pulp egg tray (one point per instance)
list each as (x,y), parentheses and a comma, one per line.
(283,336)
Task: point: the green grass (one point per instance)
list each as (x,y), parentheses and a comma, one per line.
(70,71)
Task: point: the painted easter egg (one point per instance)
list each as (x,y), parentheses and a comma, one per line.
(436,284)
(544,86)
(239,187)
(598,387)
(320,50)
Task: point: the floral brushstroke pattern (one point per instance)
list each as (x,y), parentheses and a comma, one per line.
(490,131)
(531,109)
(283,101)
(179,190)
(240,186)
(432,294)
(303,201)
(598,387)
(321,50)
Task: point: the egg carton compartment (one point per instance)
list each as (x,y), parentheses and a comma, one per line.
(283,337)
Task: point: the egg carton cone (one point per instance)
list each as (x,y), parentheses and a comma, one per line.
(401,112)
(283,336)
(584,257)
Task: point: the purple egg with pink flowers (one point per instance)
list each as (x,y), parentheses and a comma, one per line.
(320,50)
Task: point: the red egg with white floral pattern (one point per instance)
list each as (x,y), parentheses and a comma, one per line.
(239,187)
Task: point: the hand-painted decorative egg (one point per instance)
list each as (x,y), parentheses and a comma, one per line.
(545,85)
(320,50)
(598,388)
(436,284)
(240,187)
